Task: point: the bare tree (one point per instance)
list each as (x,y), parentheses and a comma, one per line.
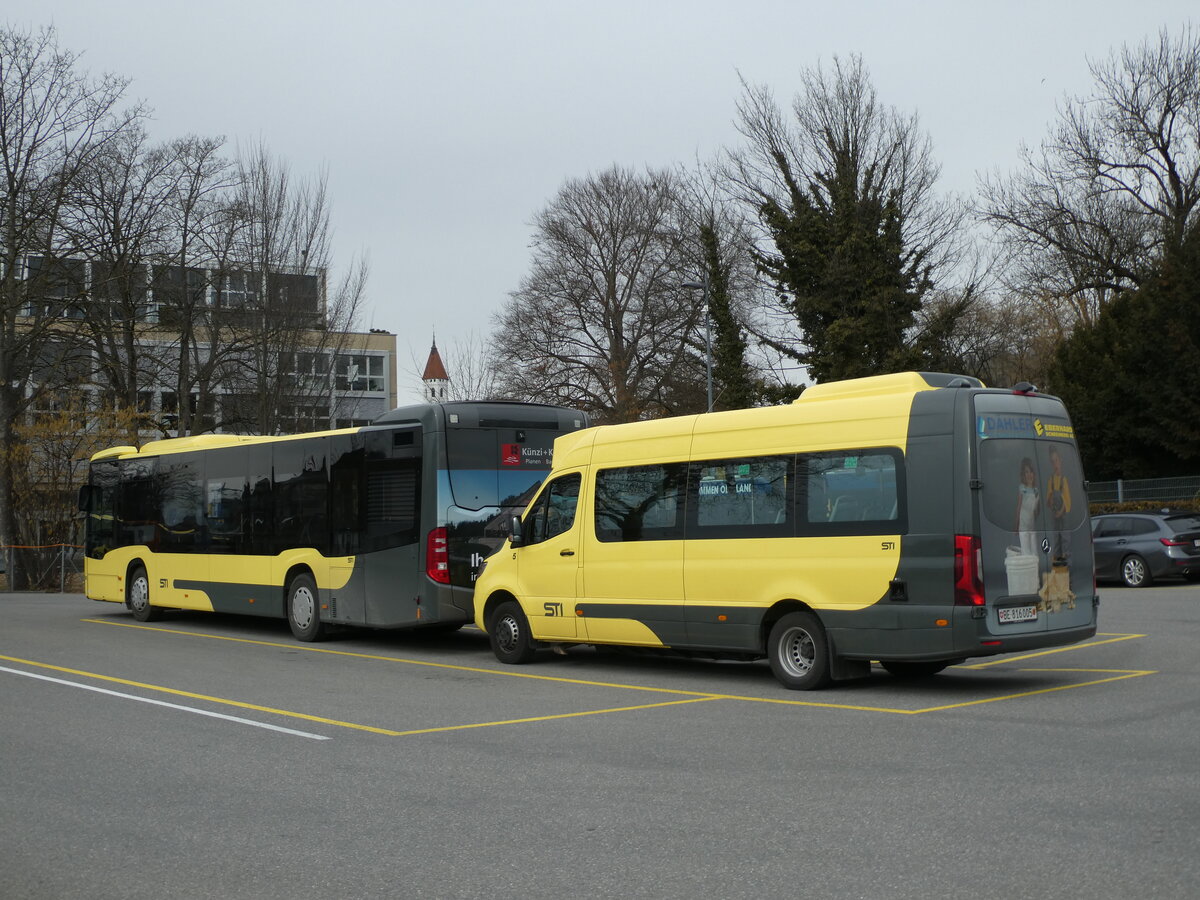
(601,321)
(199,179)
(54,121)
(471,364)
(293,330)
(119,222)
(1115,186)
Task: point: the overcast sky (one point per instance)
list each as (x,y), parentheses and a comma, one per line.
(446,126)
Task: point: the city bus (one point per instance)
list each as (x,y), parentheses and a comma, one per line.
(383,526)
(913,519)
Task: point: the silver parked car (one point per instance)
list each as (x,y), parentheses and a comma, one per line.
(1136,548)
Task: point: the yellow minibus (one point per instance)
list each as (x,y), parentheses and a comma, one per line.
(916,519)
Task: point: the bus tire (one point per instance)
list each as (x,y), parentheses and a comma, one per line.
(304,608)
(798,651)
(138,597)
(508,631)
(904,668)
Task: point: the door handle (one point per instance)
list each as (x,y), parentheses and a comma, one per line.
(566,552)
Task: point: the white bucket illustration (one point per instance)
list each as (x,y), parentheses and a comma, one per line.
(1022,571)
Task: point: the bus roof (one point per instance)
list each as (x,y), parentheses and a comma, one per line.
(866,400)
(205,442)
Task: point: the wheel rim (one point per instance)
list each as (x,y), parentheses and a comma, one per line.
(139,594)
(304,606)
(797,651)
(1135,571)
(508,633)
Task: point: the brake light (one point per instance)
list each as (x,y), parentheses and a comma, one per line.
(1171,542)
(968,571)
(437,556)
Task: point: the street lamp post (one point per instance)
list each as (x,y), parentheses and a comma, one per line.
(702,286)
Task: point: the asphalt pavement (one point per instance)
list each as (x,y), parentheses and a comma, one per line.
(215,756)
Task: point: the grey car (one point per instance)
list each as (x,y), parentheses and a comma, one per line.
(1136,548)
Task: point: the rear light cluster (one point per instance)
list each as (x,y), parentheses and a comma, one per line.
(968,571)
(1172,542)
(437,556)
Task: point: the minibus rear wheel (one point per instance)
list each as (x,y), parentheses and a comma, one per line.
(799,652)
(509,634)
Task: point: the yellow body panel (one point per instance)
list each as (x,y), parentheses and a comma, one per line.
(178,580)
(835,572)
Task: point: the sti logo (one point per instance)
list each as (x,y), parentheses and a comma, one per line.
(510,455)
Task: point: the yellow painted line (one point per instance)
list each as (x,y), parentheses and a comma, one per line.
(292,645)
(1001,660)
(178,693)
(1063,687)
(1119,674)
(573,715)
(700,695)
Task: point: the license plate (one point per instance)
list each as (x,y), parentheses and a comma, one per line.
(1010,614)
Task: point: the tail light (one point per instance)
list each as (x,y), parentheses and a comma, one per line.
(1172,542)
(968,571)
(437,556)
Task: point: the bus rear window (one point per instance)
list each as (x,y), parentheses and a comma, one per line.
(495,466)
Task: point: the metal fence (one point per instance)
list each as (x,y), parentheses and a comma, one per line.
(48,567)
(1182,491)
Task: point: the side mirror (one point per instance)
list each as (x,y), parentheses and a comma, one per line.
(516,533)
(85,497)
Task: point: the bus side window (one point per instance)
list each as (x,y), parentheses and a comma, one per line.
(640,503)
(742,497)
(853,492)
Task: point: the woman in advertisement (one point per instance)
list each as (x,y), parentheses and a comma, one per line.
(1027,508)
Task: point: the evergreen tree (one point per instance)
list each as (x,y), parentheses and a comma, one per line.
(854,237)
(841,267)
(733,382)
(1132,380)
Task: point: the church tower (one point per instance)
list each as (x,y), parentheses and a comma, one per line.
(437,382)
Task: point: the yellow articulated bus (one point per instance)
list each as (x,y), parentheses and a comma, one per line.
(916,519)
(383,526)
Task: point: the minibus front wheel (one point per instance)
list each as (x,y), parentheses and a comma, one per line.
(509,634)
(798,651)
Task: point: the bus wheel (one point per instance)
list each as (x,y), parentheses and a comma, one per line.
(798,652)
(139,597)
(913,669)
(303,612)
(509,634)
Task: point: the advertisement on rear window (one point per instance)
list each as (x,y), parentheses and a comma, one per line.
(1035,533)
(493,474)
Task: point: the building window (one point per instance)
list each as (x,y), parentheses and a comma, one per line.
(299,418)
(360,373)
(56,287)
(239,290)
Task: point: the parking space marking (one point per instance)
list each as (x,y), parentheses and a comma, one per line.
(194,696)
(571,715)
(1120,675)
(697,696)
(293,645)
(190,709)
(1113,638)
